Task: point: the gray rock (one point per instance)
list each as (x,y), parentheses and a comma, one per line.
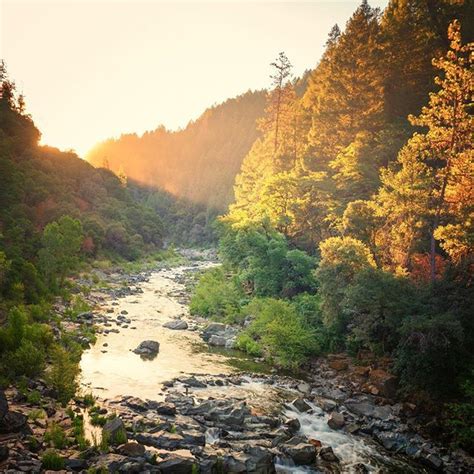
(301,453)
(301,405)
(148,348)
(327,454)
(176,465)
(167,409)
(219,341)
(293,425)
(193,382)
(176,324)
(336,420)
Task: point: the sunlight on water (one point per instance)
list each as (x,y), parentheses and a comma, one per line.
(119,371)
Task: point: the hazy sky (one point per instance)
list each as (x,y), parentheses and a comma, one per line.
(95,69)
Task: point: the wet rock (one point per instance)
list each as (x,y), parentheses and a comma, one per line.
(365,408)
(336,420)
(301,405)
(259,460)
(132,449)
(193,382)
(293,425)
(302,453)
(176,324)
(391,441)
(304,388)
(327,454)
(218,341)
(148,348)
(325,404)
(114,430)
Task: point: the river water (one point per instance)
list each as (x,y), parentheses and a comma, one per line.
(114,370)
(110,369)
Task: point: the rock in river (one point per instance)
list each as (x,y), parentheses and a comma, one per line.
(148,348)
(176,324)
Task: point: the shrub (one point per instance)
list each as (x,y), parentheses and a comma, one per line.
(216,296)
(279,331)
(28,359)
(62,375)
(51,460)
(56,436)
(247,344)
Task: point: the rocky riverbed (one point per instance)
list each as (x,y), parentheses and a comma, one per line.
(172,406)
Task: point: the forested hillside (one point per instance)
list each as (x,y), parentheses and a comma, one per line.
(352,228)
(56,209)
(198,163)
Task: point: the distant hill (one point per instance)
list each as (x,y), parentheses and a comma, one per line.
(198,163)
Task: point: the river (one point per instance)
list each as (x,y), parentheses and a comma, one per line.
(110,369)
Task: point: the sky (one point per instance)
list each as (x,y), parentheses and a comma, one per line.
(92,70)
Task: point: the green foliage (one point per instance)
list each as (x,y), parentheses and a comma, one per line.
(61,242)
(56,437)
(279,332)
(23,344)
(341,259)
(376,303)
(460,422)
(51,460)
(265,264)
(216,296)
(431,353)
(247,343)
(62,375)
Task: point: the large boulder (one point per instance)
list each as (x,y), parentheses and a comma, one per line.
(148,349)
(14,422)
(301,452)
(213,329)
(176,324)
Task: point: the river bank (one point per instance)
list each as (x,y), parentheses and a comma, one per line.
(190,410)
